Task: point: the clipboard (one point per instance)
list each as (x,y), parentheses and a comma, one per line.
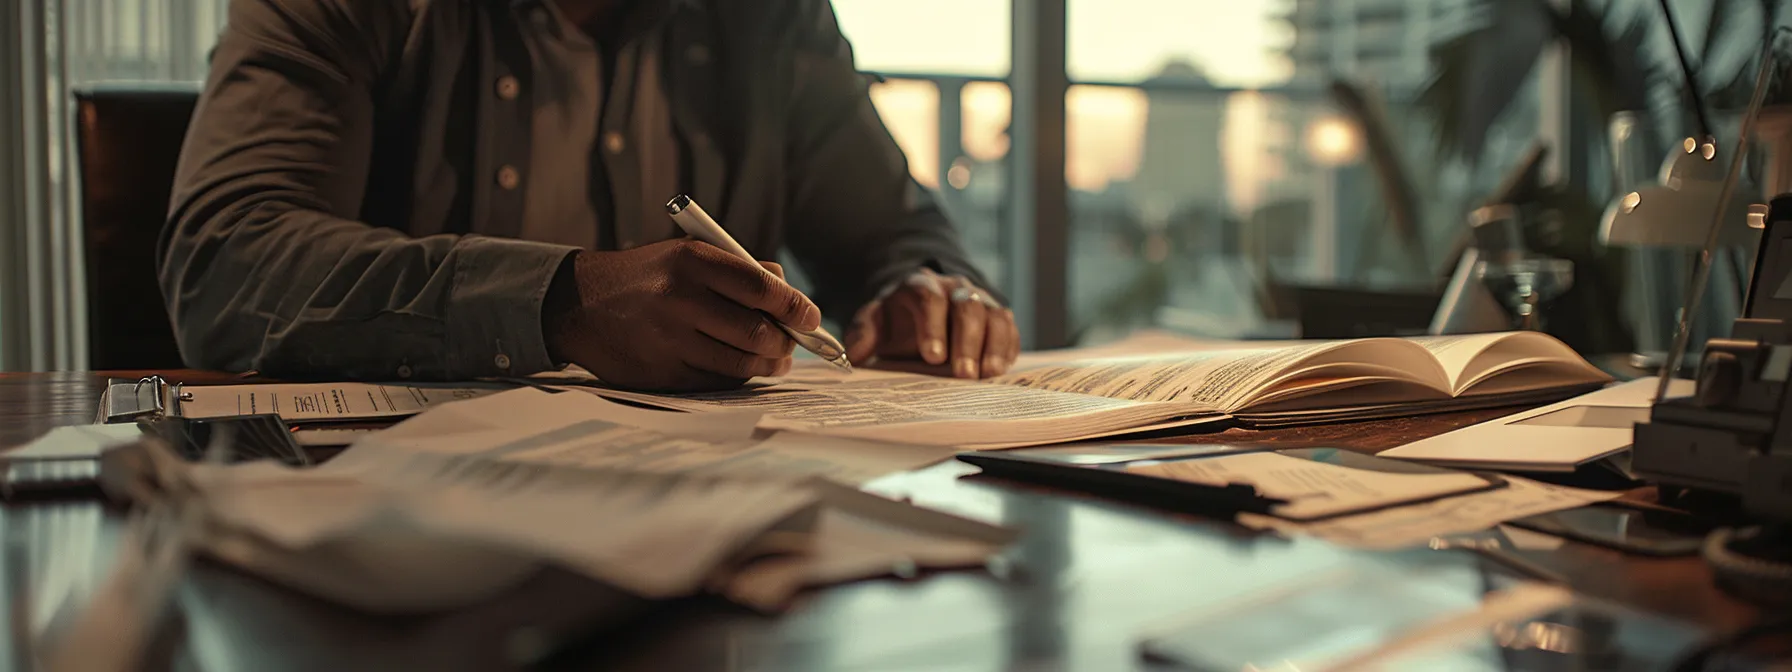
(1297,484)
(148,398)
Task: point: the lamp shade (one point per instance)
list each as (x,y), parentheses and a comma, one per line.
(1675,212)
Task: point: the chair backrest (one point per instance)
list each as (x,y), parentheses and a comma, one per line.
(129,140)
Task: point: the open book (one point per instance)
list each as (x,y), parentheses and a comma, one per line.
(1065,396)
(1287,382)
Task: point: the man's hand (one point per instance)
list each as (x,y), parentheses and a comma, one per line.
(944,321)
(673,316)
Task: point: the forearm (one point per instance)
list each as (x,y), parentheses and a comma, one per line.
(298,293)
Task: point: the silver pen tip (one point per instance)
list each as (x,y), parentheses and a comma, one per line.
(678,204)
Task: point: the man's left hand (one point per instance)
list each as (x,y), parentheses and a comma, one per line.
(940,324)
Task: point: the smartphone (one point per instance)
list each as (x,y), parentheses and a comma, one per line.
(1645,531)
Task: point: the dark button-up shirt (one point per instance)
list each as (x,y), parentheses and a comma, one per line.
(359,194)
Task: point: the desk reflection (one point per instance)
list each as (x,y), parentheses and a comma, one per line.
(1085,582)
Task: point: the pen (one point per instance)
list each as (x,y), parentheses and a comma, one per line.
(698,224)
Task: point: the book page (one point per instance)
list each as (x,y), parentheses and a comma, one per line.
(323,402)
(1222,379)
(934,411)
(1471,359)
(1234,380)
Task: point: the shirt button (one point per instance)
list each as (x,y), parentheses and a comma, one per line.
(502,360)
(508,87)
(613,142)
(697,54)
(508,178)
(404,371)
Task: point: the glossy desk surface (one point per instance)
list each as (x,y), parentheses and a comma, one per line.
(1086,578)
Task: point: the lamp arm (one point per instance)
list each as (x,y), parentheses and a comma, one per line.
(1706,130)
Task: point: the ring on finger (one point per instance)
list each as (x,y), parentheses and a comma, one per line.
(973,294)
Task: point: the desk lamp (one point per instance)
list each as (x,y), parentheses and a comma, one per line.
(1733,436)
(1672,211)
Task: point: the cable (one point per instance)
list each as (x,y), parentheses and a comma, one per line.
(1692,83)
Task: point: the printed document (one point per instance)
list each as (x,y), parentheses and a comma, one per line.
(460,501)
(323,402)
(527,425)
(1415,525)
(935,411)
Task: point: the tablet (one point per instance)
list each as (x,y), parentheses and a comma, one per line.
(1300,484)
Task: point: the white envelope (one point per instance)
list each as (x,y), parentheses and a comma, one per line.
(1558,437)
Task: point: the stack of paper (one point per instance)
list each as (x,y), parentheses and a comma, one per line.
(1419,523)
(468,499)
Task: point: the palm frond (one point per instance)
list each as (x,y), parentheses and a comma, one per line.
(1476,75)
(1613,70)
(1725,16)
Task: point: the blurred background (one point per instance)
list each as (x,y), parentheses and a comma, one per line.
(1230,168)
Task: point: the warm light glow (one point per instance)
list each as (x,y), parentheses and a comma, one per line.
(1104,135)
(1757,216)
(1334,141)
(910,109)
(959,175)
(986,114)
(1690,145)
(1631,200)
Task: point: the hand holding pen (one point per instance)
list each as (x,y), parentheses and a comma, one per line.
(697,224)
(676,316)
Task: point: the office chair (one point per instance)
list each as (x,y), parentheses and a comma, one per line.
(128,138)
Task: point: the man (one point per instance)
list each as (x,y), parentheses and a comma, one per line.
(448,189)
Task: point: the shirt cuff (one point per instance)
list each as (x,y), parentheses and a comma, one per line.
(494,310)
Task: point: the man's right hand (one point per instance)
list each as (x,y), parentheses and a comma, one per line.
(680,315)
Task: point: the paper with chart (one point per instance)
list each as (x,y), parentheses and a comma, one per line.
(323,402)
(934,411)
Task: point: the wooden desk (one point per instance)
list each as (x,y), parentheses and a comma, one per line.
(1090,576)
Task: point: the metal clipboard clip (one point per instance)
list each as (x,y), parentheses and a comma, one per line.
(151,397)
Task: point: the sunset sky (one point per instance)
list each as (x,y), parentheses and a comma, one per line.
(1234,41)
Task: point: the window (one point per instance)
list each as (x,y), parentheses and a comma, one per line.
(945,102)
(1212,169)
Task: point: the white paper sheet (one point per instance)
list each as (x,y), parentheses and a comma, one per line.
(1528,442)
(74,442)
